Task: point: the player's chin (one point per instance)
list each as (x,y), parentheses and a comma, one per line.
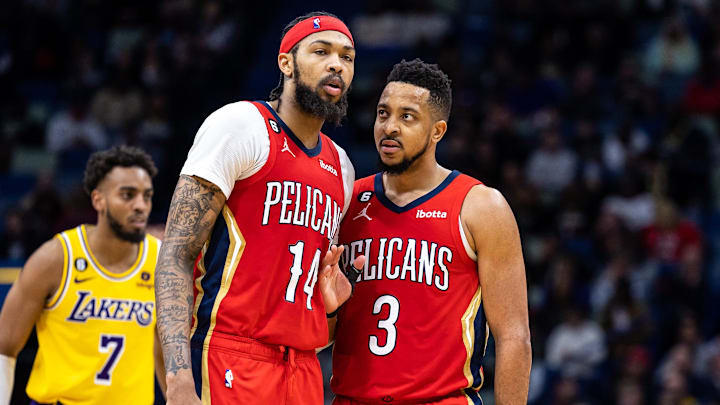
(390,160)
(329,98)
(136,229)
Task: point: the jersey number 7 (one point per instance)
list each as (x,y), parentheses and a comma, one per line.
(115,344)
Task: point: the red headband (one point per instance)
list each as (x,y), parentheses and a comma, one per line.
(311,26)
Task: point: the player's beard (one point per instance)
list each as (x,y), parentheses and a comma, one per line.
(404,165)
(117,228)
(310,101)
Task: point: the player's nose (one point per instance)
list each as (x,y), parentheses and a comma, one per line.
(391,127)
(334,63)
(140,204)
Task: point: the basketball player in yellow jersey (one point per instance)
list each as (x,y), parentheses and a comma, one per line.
(90,293)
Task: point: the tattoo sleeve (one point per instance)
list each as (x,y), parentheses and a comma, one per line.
(195,206)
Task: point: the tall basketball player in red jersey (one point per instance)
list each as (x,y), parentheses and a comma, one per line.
(246,274)
(443,262)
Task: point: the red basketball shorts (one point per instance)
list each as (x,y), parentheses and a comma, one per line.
(237,370)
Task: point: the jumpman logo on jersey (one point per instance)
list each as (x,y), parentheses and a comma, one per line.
(286,148)
(363,213)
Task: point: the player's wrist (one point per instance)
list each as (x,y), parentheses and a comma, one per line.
(332,314)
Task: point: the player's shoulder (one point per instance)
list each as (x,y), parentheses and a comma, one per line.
(485,198)
(341,152)
(486,205)
(45,265)
(238,112)
(364,184)
(51,252)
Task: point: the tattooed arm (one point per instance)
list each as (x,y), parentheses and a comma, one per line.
(195,206)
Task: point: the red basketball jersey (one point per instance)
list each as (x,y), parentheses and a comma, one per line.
(256,276)
(414,328)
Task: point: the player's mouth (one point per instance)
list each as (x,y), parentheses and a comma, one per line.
(333,86)
(139,222)
(389,146)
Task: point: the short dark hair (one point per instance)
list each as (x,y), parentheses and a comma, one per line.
(428,76)
(102,162)
(277,91)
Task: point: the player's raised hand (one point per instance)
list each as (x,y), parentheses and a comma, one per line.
(332,282)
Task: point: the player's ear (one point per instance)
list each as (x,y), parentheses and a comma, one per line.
(98,201)
(286,64)
(438,130)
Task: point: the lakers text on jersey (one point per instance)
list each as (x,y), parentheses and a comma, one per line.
(96,334)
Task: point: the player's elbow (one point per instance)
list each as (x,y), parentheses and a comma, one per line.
(517,337)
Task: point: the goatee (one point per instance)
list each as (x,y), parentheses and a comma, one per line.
(404,165)
(134,237)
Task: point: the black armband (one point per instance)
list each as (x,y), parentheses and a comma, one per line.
(352,275)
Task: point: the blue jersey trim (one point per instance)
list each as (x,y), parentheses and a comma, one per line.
(478,347)
(474,396)
(214,260)
(380,193)
(309,152)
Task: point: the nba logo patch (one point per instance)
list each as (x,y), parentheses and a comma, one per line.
(316,23)
(228,378)
(80,264)
(145,276)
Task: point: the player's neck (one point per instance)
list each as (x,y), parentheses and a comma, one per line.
(114,254)
(305,126)
(418,180)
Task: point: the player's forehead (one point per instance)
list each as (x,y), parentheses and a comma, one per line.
(123,177)
(401,94)
(327,38)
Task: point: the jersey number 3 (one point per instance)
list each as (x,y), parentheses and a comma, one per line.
(115,345)
(388,324)
(296,271)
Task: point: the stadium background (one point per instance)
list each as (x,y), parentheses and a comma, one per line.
(598,120)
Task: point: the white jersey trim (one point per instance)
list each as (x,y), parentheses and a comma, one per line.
(68,271)
(465,242)
(348,176)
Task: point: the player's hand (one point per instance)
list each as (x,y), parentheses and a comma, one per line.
(181,389)
(334,286)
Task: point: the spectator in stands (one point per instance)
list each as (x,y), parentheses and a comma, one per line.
(576,347)
(672,52)
(669,236)
(12,243)
(120,103)
(552,167)
(634,206)
(75,128)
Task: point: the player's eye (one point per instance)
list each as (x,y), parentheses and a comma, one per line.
(348,58)
(320,52)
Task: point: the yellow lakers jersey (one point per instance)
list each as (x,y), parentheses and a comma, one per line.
(96,333)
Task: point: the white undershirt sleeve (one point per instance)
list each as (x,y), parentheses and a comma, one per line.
(232,144)
(348,174)
(7,375)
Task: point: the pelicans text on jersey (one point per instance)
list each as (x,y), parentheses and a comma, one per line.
(414,329)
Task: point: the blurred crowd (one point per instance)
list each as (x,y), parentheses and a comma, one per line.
(598,120)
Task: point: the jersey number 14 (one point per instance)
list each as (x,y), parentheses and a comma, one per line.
(296,271)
